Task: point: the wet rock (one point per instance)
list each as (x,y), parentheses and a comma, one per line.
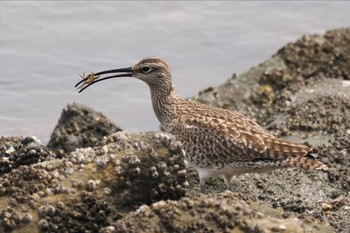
(78,127)
(18,151)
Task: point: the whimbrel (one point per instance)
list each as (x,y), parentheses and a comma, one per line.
(217,142)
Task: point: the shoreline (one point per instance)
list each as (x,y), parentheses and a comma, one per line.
(93,176)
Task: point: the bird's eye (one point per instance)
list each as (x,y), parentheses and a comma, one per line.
(146,69)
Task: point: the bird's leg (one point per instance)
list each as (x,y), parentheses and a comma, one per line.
(202,181)
(228,180)
(203,176)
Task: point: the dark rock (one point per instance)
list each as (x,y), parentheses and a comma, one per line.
(78,127)
(18,151)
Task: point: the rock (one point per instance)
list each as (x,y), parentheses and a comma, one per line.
(18,151)
(316,56)
(301,94)
(219,212)
(79,193)
(79,127)
(273,83)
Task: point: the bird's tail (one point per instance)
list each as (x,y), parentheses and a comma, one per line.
(293,154)
(305,162)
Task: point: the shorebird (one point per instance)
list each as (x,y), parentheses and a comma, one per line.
(216,142)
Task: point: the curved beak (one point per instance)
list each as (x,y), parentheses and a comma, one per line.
(96,77)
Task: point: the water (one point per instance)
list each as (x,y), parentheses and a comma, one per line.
(44,45)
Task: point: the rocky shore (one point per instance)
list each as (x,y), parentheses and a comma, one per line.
(94,177)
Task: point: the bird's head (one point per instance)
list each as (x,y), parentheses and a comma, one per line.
(152,70)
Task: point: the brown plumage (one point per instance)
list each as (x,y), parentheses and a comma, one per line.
(216,141)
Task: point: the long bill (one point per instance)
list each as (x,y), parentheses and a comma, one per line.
(96,77)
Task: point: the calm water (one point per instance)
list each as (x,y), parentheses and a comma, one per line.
(44,45)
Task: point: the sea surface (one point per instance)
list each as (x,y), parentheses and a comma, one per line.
(45,45)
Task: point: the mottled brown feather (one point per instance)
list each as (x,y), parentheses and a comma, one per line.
(241,139)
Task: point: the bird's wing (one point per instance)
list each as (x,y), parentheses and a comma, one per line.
(238,136)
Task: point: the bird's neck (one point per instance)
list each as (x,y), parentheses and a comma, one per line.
(164,104)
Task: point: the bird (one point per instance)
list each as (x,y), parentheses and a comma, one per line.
(216,141)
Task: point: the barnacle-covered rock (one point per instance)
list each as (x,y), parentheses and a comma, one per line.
(269,87)
(18,151)
(14,217)
(301,94)
(223,212)
(314,56)
(79,127)
(83,190)
(141,170)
